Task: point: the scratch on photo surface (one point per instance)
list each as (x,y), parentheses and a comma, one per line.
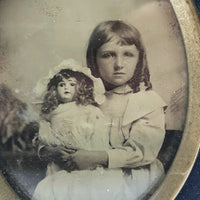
(49,8)
(177,99)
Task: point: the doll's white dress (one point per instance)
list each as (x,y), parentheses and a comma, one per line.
(75,126)
(78,127)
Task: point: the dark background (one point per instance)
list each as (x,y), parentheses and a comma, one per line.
(197,4)
(191,189)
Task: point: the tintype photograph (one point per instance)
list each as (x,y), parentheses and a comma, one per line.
(93,97)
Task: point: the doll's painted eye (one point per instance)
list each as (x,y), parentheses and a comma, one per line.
(61,84)
(73,84)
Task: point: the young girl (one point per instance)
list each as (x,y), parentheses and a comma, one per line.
(73,121)
(117,55)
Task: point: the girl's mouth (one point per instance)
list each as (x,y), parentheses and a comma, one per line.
(118,73)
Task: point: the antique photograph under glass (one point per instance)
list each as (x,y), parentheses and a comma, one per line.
(93,97)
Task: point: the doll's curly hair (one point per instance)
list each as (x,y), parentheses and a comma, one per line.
(127,35)
(84,90)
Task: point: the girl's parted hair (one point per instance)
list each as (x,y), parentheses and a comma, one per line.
(84,90)
(128,35)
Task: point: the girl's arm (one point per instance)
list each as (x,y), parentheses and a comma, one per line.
(142,147)
(146,138)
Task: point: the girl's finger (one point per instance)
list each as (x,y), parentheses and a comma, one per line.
(64,153)
(63,149)
(66,158)
(70,150)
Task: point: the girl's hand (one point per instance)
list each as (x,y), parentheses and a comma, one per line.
(69,150)
(48,153)
(64,160)
(54,153)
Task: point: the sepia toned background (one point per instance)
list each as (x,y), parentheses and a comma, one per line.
(37,35)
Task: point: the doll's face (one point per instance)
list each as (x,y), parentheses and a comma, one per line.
(116,62)
(66,89)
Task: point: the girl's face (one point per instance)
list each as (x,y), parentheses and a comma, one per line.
(116,63)
(66,89)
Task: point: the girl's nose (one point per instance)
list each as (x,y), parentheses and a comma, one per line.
(118,63)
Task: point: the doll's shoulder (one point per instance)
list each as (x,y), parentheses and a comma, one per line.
(65,109)
(94,113)
(91,109)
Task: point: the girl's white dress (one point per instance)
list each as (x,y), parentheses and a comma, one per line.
(78,127)
(136,133)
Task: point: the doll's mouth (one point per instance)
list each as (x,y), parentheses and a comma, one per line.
(66,92)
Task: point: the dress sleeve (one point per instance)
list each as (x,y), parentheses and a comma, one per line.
(145,139)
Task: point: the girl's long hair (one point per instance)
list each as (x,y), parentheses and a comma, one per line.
(84,90)
(128,35)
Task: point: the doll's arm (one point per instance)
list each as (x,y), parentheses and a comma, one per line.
(47,149)
(142,147)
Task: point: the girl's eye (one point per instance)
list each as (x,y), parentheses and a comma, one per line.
(72,84)
(128,54)
(108,55)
